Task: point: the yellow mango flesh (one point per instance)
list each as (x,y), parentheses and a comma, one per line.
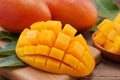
(108,44)
(116,45)
(106,27)
(108,34)
(117,19)
(48,47)
(100,38)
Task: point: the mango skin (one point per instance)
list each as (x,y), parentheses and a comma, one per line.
(48,47)
(81,14)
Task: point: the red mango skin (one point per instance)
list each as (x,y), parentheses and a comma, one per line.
(81,14)
(15,15)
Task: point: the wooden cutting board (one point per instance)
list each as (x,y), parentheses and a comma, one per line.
(29,73)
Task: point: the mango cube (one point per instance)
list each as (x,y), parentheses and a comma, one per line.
(37,26)
(69,59)
(112,35)
(47,37)
(108,45)
(76,49)
(63,40)
(116,45)
(56,53)
(42,50)
(100,38)
(69,30)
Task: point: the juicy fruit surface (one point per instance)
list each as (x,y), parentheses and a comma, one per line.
(46,46)
(108,34)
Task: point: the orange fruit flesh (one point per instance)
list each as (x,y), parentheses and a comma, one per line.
(48,47)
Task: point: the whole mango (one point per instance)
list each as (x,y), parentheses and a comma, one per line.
(82,14)
(16,15)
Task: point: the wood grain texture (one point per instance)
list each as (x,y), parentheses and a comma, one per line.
(106,70)
(29,73)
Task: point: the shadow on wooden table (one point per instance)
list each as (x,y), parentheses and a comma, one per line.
(3,78)
(106,70)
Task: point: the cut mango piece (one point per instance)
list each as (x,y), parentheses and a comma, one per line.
(116,45)
(100,38)
(42,50)
(47,37)
(76,49)
(56,53)
(20,51)
(107,27)
(86,58)
(29,50)
(33,36)
(22,39)
(108,45)
(49,48)
(117,27)
(104,22)
(108,35)
(39,62)
(29,59)
(81,39)
(66,69)
(52,65)
(37,26)
(83,69)
(23,42)
(112,35)
(55,26)
(69,59)
(69,30)
(63,40)
(117,18)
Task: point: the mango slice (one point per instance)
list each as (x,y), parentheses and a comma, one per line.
(108,34)
(48,47)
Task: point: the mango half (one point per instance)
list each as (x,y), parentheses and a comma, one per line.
(48,47)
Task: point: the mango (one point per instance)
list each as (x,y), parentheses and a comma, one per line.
(48,47)
(117,18)
(108,34)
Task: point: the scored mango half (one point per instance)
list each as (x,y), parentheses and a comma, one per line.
(48,47)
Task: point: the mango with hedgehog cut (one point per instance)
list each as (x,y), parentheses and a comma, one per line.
(48,47)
